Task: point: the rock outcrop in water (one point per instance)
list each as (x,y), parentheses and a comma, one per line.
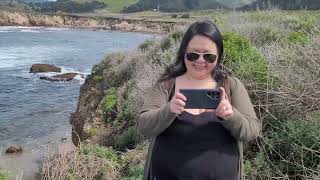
(14,149)
(61,77)
(39,68)
(98,22)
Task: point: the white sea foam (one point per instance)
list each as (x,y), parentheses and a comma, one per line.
(14,57)
(29,30)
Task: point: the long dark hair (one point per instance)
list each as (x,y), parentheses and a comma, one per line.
(204,28)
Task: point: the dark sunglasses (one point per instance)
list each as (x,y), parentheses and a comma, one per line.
(209,57)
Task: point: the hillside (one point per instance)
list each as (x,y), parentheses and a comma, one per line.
(281,4)
(262,48)
(114,6)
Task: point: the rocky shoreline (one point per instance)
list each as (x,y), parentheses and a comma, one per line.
(10,18)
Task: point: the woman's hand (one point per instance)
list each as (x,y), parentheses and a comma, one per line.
(177,103)
(224,109)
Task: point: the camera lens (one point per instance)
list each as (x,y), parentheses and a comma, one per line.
(214,94)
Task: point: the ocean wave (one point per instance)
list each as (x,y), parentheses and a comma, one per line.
(29,30)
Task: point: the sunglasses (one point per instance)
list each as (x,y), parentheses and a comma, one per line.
(193,56)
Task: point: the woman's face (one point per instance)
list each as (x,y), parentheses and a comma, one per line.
(200,68)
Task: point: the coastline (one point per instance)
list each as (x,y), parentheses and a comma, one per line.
(94,22)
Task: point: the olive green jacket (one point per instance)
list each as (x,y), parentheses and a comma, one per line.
(156,116)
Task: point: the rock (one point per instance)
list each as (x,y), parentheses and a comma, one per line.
(61,77)
(36,68)
(14,149)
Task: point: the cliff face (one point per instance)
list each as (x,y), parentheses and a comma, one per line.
(108,23)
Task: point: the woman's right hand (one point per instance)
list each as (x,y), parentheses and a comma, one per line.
(177,103)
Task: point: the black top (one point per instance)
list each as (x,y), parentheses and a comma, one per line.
(195,147)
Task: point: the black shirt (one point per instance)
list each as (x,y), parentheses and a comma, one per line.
(195,147)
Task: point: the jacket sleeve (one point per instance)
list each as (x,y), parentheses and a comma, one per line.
(155,115)
(244,124)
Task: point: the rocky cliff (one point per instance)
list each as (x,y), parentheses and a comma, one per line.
(8,18)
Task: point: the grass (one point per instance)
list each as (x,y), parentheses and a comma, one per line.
(115,6)
(4,175)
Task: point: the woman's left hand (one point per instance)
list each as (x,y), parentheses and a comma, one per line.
(224,109)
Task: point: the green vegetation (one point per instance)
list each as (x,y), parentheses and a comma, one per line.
(110,103)
(4,175)
(106,153)
(146,45)
(118,5)
(298,38)
(304,23)
(97,78)
(134,173)
(174,5)
(128,110)
(127,140)
(244,59)
(289,148)
(185,16)
(68,6)
(173,39)
(92,131)
(112,5)
(291,5)
(268,34)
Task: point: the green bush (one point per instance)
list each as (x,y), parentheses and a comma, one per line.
(185,16)
(95,69)
(174,15)
(110,104)
(72,176)
(97,78)
(305,23)
(298,38)
(4,175)
(289,148)
(173,39)
(127,113)
(257,168)
(146,45)
(106,153)
(92,131)
(244,59)
(268,34)
(127,140)
(135,172)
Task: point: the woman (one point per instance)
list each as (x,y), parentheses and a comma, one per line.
(197,144)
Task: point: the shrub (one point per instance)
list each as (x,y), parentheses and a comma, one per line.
(106,153)
(174,15)
(173,39)
(4,175)
(127,140)
(268,34)
(297,38)
(92,131)
(146,45)
(84,162)
(244,59)
(135,172)
(97,78)
(95,69)
(185,16)
(127,107)
(305,23)
(110,104)
(290,148)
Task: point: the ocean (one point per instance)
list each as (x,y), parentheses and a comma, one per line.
(34,112)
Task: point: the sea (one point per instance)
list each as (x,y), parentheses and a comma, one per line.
(35,113)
